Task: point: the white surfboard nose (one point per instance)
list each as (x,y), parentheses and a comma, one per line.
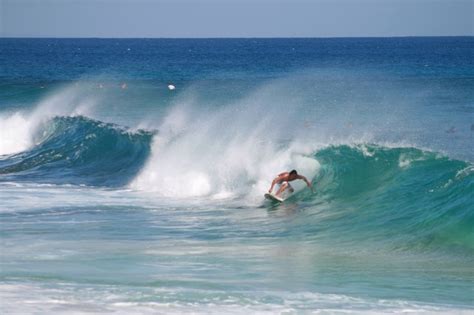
(273,198)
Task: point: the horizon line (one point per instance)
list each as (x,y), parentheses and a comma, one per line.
(236,37)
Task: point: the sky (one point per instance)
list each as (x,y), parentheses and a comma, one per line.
(235,18)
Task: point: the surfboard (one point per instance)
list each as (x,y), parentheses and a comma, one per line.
(273,198)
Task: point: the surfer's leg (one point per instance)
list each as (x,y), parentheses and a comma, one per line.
(290,188)
(282,188)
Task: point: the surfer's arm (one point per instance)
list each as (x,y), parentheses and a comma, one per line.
(273,185)
(308,183)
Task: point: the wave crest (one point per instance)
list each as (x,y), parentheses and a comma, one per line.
(78,150)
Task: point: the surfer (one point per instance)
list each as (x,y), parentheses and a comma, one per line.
(283,180)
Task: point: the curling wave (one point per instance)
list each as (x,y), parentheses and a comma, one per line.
(79,151)
(400,198)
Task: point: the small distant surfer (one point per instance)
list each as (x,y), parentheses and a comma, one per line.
(283,180)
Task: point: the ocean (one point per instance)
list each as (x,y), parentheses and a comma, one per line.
(122,195)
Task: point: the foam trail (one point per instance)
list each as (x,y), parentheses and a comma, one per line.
(18,130)
(227,152)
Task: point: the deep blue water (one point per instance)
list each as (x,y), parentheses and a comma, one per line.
(119,194)
(28,60)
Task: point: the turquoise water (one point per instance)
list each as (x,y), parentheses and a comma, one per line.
(119,195)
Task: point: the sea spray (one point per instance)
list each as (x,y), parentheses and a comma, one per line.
(232,151)
(19,130)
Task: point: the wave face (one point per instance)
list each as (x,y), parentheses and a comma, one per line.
(79,151)
(404,198)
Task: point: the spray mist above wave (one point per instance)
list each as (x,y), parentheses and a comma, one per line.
(19,129)
(212,145)
(230,151)
(236,147)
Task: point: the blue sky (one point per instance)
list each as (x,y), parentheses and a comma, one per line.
(235,18)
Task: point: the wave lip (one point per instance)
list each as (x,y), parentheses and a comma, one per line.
(79,151)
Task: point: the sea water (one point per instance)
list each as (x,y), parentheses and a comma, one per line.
(120,195)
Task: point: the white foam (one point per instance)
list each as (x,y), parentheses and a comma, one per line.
(15,133)
(68,298)
(235,150)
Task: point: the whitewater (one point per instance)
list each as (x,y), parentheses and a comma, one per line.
(121,195)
